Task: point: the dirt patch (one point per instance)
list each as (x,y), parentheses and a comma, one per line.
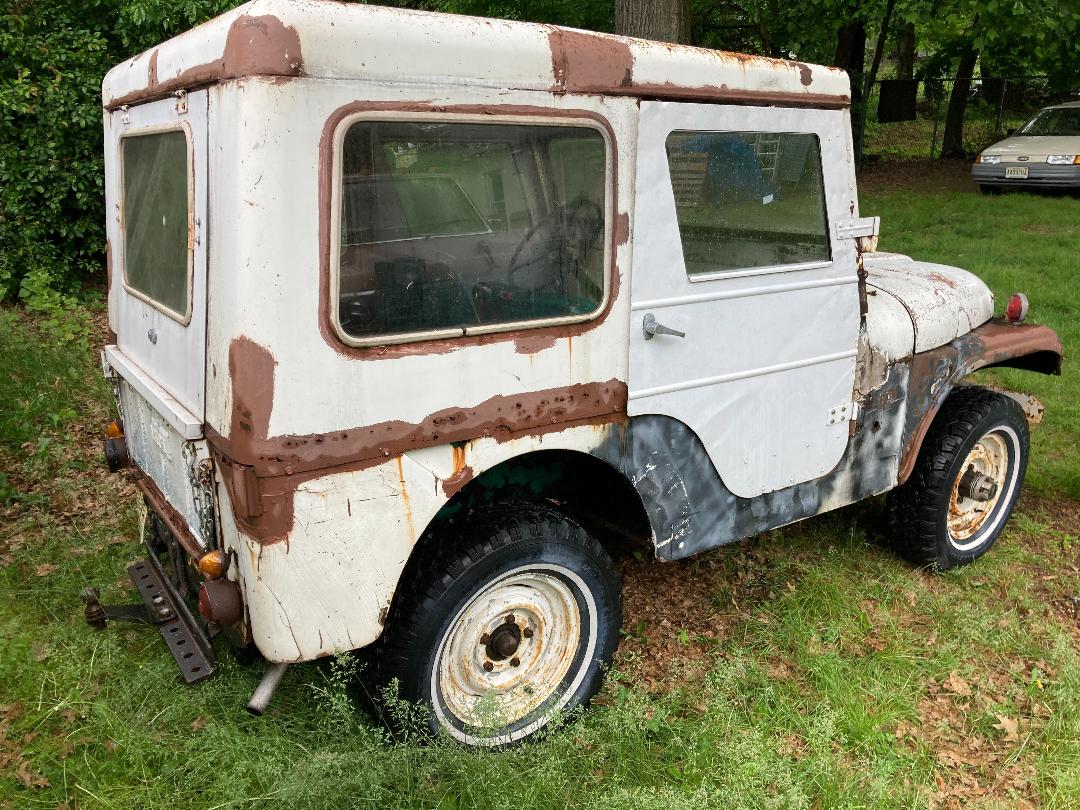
(921,175)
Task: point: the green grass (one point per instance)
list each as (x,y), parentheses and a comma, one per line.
(805,668)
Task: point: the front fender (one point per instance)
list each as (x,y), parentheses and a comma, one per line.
(935,373)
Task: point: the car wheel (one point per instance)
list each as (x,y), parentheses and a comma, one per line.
(510,624)
(966,480)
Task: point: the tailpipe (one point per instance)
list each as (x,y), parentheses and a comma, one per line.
(266,688)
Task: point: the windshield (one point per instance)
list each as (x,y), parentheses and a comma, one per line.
(1055,121)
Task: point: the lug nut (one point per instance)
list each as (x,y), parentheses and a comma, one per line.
(509,618)
(490,666)
(527,632)
(484,638)
(514,662)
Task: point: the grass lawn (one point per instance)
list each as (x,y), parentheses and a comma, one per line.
(805,668)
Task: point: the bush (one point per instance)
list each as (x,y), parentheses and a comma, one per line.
(53,57)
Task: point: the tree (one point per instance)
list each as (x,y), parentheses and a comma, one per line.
(664,20)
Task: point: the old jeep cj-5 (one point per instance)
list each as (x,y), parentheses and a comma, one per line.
(418,318)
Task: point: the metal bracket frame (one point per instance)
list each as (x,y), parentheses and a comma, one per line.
(856,228)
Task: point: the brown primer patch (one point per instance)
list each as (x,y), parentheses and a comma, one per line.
(806,74)
(254,46)
(619,230)
(262,473)
(531,344)
(584,63)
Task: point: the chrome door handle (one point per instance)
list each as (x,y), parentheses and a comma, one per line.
(650,327)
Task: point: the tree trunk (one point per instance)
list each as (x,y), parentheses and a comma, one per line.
(663,20)
(905,51)
(952,141)
(851,56)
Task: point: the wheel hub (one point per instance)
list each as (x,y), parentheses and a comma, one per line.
(504,642)
(978,488)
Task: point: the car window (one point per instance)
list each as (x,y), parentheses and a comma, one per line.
(156,216)
(747,200)
(1055,121)
(453,227)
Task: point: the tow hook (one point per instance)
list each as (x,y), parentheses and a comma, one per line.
(116,449)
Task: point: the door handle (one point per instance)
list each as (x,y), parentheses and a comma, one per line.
(650,327)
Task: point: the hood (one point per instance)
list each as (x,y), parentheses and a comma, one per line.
(937,303)
(1035,146)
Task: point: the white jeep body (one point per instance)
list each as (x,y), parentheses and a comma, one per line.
(318,462)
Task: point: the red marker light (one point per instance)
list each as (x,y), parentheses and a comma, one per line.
(1017,308)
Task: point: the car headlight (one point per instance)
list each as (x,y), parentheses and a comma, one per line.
(989,160)
(1062,160)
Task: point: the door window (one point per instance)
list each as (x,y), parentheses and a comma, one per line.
(451,228)
(748,200)
(157,218)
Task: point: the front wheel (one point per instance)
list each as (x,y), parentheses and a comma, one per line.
(966,480)
(509,625)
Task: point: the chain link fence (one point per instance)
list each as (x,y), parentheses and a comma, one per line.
(906,118)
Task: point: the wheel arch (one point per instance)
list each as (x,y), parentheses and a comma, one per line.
(937,373)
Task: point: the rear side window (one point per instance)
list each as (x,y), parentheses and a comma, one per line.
(748,200)
(156,219)
(451,228)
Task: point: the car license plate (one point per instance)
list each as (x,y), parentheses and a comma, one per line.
(1017,172)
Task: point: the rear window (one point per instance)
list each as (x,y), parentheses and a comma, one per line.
(451,228)
(156,219)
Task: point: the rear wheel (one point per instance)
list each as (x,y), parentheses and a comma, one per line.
(509,624)
(966,480)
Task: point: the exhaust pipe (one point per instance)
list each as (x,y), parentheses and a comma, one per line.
(266,688)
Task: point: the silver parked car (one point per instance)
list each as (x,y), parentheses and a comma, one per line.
(1043,153)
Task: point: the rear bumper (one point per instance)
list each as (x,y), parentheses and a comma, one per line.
(1040,175)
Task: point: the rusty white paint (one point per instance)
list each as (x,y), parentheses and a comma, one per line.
(186,424)
(164,455)
(482,690)
(768,352)
(401,46)
(266,227)
(326,588)
(942,302)
(169,349)
(889,330)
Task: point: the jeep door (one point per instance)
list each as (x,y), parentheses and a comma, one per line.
(745,302)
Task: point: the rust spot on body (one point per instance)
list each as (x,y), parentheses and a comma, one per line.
(254,46)
(583,62)
(806,74)
(525,343)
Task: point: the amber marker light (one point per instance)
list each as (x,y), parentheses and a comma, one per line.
(213,564)
(115,430)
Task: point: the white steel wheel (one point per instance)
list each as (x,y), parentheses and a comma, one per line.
(966,480)
(506,629)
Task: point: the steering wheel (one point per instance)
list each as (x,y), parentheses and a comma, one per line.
(572,228)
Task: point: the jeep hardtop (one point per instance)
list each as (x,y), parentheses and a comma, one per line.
(420,318)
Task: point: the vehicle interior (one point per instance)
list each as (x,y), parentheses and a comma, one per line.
(452,225)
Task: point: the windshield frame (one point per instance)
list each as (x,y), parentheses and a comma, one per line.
(510,119)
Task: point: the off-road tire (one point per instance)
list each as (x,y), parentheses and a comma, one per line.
(478,563)
(920,509)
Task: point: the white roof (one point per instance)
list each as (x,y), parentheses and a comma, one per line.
(328,39)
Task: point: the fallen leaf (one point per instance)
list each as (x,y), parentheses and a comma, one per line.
(199,723)
(957,685)
(1009,726)
(45,569)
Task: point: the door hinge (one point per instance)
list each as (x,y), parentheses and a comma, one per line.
(842,413)
(854,228)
